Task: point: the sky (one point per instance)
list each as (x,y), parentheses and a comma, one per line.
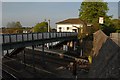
(54,0)
(30,13)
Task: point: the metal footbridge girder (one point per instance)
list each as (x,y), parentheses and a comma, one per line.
(16,51)
(13,41)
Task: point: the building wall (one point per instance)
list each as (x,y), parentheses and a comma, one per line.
(115,37)
(64,27)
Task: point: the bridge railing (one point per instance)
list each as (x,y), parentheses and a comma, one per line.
(11,38)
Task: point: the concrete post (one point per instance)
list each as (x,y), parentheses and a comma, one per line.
(42,59)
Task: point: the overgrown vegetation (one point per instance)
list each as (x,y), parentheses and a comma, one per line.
(90,13)
(13,27)
(41,27)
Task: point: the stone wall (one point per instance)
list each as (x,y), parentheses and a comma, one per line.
(99,39)
(115,37)
(107,63)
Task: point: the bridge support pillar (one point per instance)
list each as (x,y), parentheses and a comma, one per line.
(33,56)
(43,54)
(2,53)
(68,44)
(7,52)
(73,45)
(24,58)
(52,45)
(43,48)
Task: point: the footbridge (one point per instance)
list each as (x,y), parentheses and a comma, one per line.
(18,43)
(13,41)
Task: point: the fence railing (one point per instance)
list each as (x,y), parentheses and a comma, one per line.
(11,38)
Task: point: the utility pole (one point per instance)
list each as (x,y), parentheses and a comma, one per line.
(48,32)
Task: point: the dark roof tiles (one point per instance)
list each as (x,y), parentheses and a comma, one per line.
(71,21)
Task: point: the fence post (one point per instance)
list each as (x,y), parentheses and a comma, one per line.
(27,36)
(56,35)
(24,57)
(37,36)
(22,38)
(3,38)
(49,35)
(32,37)
(10,38)
(33,56)
(42,36)
(61,34)
(66,34)
(16,37)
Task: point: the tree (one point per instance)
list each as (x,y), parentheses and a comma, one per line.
(11,25)
(108,29)
(41,27)
(116,23)
(91,11)
(14,27)
(18,25)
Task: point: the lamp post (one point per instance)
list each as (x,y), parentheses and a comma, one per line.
(49,25)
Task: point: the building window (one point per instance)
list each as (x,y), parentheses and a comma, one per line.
(74,30)
(60,29)
(67,28)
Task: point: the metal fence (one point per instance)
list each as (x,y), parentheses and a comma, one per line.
(10,38)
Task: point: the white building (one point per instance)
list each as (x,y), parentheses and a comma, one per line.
(69,25)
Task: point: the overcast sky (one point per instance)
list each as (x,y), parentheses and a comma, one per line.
(30,13)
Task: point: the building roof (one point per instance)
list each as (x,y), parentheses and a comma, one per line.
(71,21)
